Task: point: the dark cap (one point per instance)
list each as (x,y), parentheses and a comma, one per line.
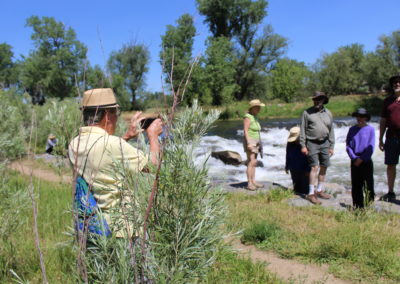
(318,95)
(394,79)
(362,112)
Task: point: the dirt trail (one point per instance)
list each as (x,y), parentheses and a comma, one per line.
(26,167)
(285,269)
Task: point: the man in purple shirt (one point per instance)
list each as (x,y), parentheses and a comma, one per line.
(360,143)
(390,124)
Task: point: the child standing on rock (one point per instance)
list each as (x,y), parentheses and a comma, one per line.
(360,143)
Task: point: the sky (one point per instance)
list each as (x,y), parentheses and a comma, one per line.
(312,27)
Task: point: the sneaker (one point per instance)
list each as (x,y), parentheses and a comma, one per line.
(251,187)
(323,195)
(258,185)
(388,196)
(313,199)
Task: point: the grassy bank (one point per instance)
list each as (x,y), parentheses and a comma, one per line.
(17,243)
(361,247)
(339,106)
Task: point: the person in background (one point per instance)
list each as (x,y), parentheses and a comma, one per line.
(390,125)
(252,143)
(317,140)
(51,143)
(296,162)
(360,143)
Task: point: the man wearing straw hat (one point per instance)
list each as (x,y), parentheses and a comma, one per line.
(317,140)
(95,152)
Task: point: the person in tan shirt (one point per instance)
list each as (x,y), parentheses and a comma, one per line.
(95,152)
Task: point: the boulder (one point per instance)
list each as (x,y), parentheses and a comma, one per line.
(228,157)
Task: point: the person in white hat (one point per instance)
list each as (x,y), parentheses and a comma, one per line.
(296,162)
(252,142)
(95,152)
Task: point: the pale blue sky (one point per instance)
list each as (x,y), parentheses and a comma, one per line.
(313,27)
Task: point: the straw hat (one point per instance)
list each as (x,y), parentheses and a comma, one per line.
(256,102)
(99,98)
(294,133)
(52,136)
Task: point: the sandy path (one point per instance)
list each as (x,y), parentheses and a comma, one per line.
(285,269)
(26,167)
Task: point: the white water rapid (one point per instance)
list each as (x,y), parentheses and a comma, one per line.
(274,142)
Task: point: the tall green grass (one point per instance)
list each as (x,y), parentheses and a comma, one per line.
(362,246)
(17,246)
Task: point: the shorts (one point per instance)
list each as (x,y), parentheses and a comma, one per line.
(254,145)
(318,153)
(392,151)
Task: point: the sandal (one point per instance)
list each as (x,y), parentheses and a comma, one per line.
(251,187)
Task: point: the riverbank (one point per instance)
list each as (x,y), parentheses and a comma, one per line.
(339,106)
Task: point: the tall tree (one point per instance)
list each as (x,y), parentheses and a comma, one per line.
(384,62)
(7,66)
(58,58)
(219,71)
(130,65)
(289,79)
(256,52)
(341,71)
(176,53)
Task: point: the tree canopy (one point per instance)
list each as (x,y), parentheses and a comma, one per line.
(52,67)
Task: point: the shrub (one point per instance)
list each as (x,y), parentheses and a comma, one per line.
(260,232)
(12,132)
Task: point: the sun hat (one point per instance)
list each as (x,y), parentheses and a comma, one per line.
(318,95)
(99,98)
(362,112)
(393,79)
(294,133)
(52,136)
(256,102)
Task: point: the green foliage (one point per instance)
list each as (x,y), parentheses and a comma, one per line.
(341,71)
(51,69)
(12,131)
(289,79)
(261,232)
(229,18)
(17,243)
(130,64)
(176,54)
(8,72)
(219,71)
(189,210)
(96,78)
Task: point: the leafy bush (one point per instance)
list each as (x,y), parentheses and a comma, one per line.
(12,132)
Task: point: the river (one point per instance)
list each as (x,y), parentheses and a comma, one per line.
(228,135)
